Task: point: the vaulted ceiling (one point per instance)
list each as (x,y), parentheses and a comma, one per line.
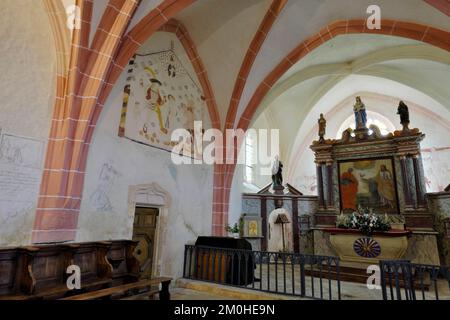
(223,32)
(342,67)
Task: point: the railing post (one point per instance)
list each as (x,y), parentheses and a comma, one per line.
(383,281)
(184,261)
(164,294)
(302,276)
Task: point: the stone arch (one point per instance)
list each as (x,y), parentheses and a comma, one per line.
(425,33)
(92,73)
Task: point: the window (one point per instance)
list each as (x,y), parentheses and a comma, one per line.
(250,143)
(375,118)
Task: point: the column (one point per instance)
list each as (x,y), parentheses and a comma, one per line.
(320,185)
(417,177)
(406,188)
(295,225)
(330,184)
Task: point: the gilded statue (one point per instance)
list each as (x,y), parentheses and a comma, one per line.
(322,127)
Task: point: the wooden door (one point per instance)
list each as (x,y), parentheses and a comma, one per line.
(144,228)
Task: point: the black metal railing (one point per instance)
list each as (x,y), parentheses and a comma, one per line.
(403,280)
(275,272)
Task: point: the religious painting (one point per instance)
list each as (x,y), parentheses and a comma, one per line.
(161,96)
(369,183)
(252,227)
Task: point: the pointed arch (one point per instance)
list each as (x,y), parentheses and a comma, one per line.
(410,30)
(93,71)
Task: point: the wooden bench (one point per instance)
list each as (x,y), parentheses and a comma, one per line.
(129,291)
(39,272)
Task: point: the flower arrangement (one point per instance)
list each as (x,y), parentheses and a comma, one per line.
(365,221)
(232,229)
(238,227)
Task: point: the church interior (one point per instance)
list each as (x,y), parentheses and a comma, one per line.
(224,149)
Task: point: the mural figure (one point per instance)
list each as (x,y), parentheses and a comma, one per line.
(100,197)
(160,96)
(322,127)
(349,189)
(360,114)
(386,189)
(155,101)
(403,111)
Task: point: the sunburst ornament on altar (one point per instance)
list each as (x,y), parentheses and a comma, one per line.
(367,248)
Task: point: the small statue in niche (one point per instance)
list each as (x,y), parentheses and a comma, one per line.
(277,177)
(403,111)
(360,114)
(322,128)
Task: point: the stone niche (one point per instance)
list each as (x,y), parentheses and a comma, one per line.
(400,154)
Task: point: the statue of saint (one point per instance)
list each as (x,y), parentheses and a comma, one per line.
(322,126)
(277,168)
(360,114)
(404,115)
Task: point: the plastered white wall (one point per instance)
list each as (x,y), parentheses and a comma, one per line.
(104,212)
(238,187)
(27,82)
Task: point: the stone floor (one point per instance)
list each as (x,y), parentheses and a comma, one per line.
(199,290)
(277,280)
(189,294)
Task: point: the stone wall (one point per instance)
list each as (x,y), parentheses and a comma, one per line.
(439,203)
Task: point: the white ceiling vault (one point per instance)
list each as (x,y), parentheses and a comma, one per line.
(302,19)
(346,65)
(222,31)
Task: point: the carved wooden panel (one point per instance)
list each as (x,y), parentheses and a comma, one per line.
(8,268)
(40,271)
(144,229)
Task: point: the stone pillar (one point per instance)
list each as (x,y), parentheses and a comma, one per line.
(320,185)
(406,187)
(330,194)
(295,226)
(417,180)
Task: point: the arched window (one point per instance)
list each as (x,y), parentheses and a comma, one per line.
(250,157)
(383,123)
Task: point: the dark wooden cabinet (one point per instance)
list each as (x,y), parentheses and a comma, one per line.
(213,262)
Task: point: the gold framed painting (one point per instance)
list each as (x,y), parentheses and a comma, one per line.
(252,227)
(369,183)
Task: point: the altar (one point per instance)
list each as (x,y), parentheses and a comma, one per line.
(371,201)
(383,176)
